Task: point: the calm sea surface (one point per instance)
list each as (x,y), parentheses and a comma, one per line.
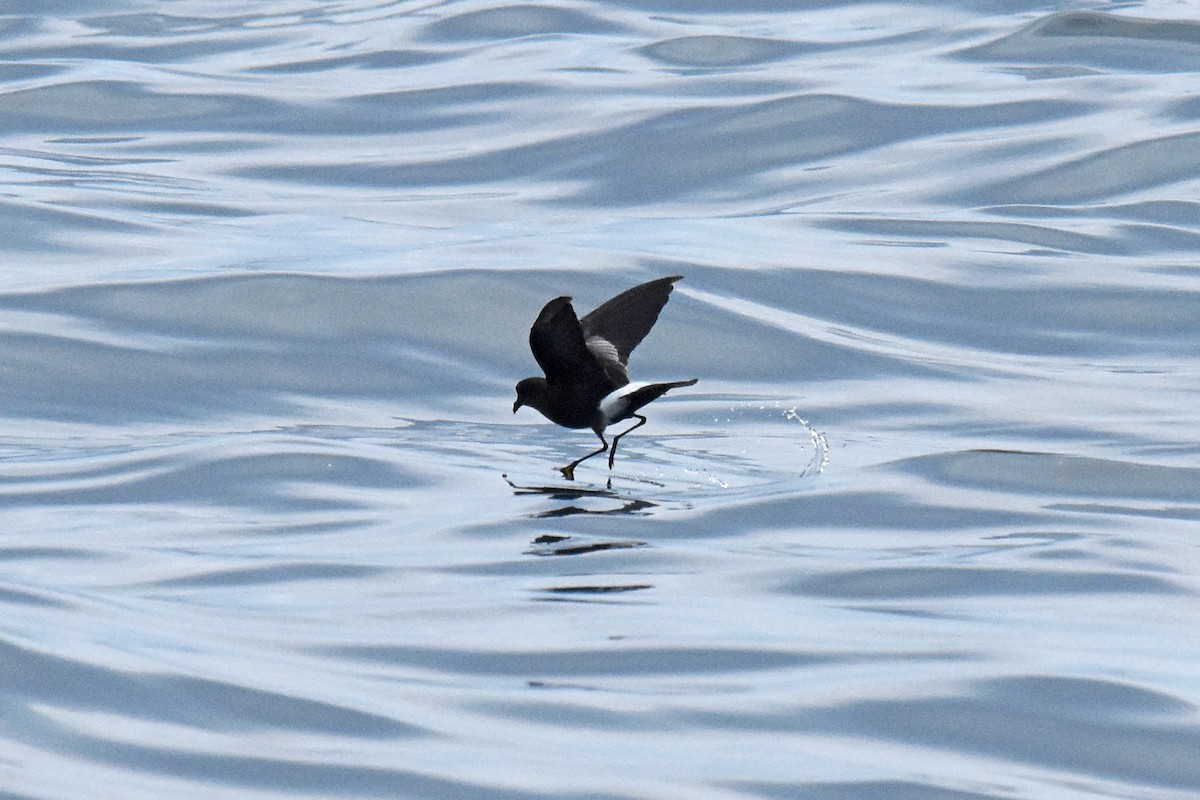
(927,527)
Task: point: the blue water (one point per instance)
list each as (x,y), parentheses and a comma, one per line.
(927,527)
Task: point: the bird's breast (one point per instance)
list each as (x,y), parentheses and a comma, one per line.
(572,405)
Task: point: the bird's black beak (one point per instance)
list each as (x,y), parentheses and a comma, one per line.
(517,405)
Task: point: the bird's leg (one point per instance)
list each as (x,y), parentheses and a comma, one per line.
(569,470)
(613,453)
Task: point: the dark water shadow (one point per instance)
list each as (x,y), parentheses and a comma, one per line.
(560,492)
(592,591)
(629,505)
(555,545)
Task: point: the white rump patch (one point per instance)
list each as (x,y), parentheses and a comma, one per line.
(614,406)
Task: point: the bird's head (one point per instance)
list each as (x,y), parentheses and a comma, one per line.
(530,392)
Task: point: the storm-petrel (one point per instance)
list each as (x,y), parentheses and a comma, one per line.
(585,361)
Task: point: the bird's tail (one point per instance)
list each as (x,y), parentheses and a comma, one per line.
(637,395)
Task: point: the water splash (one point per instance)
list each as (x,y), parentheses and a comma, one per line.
(820,457)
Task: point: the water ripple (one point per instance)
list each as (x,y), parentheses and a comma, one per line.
(925,527)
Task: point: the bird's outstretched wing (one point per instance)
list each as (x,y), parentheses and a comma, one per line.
(556,340)
(612,330)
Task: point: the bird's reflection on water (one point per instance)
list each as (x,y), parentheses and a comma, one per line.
(593,587)
(553,545)
(629,505)
(564,545)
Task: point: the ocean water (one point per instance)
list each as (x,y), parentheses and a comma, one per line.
(927,527)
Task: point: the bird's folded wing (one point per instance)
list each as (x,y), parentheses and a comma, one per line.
(626,319)
(557,343)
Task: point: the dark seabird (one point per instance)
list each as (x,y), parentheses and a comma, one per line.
(586,364)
